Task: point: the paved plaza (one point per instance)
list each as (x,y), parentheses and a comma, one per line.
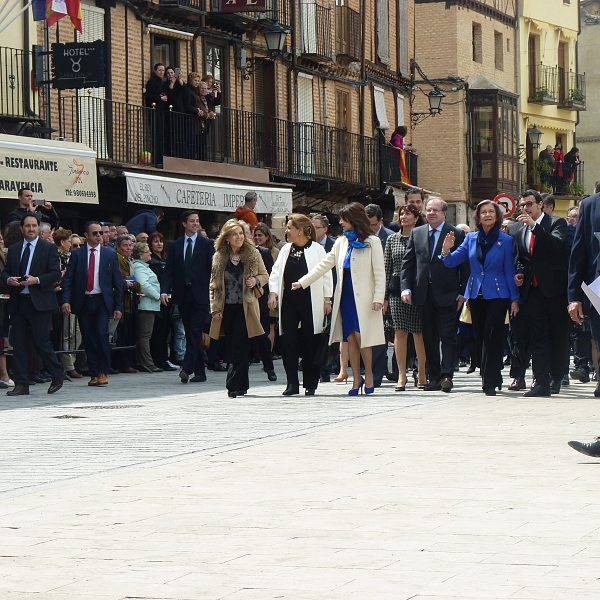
(153,490)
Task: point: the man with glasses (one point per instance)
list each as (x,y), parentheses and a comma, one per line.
(437,292)
(93,289)
(541,260)
(321,224)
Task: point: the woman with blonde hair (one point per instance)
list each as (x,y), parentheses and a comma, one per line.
(359,294)
(304,308)
(237,279)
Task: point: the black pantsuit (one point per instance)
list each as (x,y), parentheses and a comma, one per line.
(439,326)
(238,347)
(193,316)
(25,317)
(296,308)
(520,348)
(547,324)
(488,323)
(93,322)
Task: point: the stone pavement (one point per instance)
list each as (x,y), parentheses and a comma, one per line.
(149,489)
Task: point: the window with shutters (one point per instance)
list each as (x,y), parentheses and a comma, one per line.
(477,43)
(383,31)
(91,101)
(399,110)
(402,28)
(342,109)
(305,125)
(258,86)
(164,50)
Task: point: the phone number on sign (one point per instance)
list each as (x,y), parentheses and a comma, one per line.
(80,193)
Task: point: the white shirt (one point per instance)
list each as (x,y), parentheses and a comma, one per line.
(31,251)
(185,243)
(528,232)
(96,289)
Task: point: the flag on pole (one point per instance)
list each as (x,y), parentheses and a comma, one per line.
(57,9)
(403,171)
(39,10)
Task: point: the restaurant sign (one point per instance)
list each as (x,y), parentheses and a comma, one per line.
(204,195)
(55,171)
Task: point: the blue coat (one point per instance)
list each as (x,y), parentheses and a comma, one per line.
(144,221)
(111,280)
(148,281)
(496,278)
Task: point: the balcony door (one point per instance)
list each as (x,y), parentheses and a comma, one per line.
(532,65)
(91,105)
(562,72)
(306,127)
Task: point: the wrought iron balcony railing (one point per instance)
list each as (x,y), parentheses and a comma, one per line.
(543,84)
(316,28)
(184,7)
(347,33)
(18,100)
(573,88)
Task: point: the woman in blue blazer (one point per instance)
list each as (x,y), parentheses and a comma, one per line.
(491,288)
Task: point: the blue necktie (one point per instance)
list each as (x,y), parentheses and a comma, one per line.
(431,243)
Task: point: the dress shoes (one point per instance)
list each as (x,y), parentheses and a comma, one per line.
(538,391)
(218,367)
(184,376)
(517,385)
(555,387)
(129,370)
(589,449)
(168,367)
(471,369)
(198,379)
(113,372)
(489,391)
(446,384)
(433,386)
(565,381)
(580,374)
(324,379)
(93,382)
(291,391)
(56,385)
(232,394)
(309,392)
(155,369)
(144,369)
(73,374)
(272,375)
(103,379)
(40,379)
(19,390)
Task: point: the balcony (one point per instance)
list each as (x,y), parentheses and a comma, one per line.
(347,34)
(184,7)
(543,84)
(390,166)
(275,11)
(572,91)
(19,103)
(316,28)
(126,134)
(567,181)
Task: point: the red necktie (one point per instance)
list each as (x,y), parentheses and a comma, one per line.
(91,271)
(534,282)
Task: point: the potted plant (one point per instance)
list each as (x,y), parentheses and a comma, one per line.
(541,94)
(574,189)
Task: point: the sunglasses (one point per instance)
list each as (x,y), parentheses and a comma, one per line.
(98,232)
(76,245)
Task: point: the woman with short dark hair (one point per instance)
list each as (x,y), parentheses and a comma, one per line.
(491,290)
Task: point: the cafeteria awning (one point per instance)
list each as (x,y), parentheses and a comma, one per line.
(55,171)
(183,193)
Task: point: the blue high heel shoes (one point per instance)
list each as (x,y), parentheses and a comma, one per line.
(355,392)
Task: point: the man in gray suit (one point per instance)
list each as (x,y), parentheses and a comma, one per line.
(380,364)
(437,292)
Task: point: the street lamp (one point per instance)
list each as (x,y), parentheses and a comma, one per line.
(535,137)
(435,101)
(275,36)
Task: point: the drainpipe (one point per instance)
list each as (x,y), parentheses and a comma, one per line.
(517,71)
(363,35)
(27,63)
(292,69)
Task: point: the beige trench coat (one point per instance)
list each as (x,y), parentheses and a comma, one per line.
(368,280)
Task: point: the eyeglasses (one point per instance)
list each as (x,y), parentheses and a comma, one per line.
(97,232)
(527,204)
(487,213)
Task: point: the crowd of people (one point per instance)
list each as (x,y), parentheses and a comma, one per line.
(558,169)
(121,299)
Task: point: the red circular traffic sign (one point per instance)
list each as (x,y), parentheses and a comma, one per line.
(507,203)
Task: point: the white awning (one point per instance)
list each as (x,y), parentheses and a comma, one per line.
(379,96)
(55,171)
(204,195)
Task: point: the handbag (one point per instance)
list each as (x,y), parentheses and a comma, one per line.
(326,354)
(394,284)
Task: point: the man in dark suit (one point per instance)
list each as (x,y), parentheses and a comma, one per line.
(32,268)
(437,291)
(380,363)
(92,288)
(541,261)
(187,278)
(321,224)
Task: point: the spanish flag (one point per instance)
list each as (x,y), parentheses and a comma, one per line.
(57,9)
(403,171)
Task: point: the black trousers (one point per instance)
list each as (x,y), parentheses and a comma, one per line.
(159,345)
(24,319)
(439,325)
(193,315)
(299,342)
(488,323)
(380,362)
(546,320)
(126,336)
(238,347)
(520,346)
(93,322)
(581,337)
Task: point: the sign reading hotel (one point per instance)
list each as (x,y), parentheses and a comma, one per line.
(236,6)
(204,195)
(78,65)
(54,171)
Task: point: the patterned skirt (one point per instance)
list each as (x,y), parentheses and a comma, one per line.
(404,316)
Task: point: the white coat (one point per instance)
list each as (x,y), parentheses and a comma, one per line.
(318,293)
(368,280)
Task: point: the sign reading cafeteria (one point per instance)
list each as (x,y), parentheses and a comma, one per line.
(55,171)
(204,195)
